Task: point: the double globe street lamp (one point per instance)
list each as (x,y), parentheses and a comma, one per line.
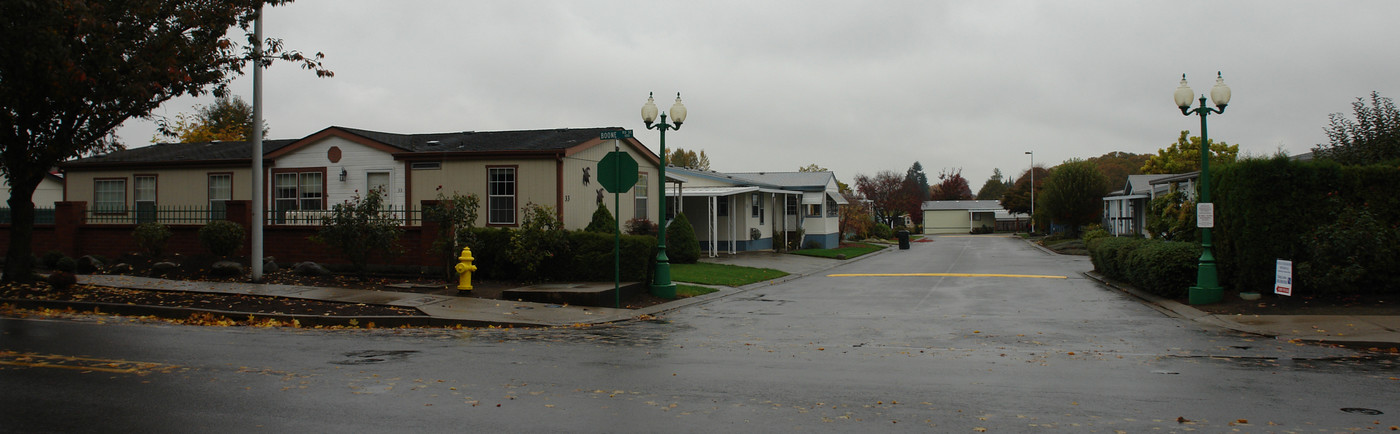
(662,286)
(1207,289)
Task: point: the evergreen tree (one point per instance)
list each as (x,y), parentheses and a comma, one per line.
(681,245)
(603,221)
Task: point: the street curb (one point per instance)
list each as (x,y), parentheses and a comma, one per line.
(1178,310)
(180,313)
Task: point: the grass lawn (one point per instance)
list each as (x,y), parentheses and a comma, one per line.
(851,250)
(685,291)
(721,274)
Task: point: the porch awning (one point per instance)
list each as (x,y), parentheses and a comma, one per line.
(815,197)
(708,191)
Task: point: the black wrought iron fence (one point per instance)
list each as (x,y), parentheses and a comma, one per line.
(42,216)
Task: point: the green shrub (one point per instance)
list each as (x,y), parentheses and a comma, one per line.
(1172,217)
(1354,253)
(1108,255)
(455,216)
(1094,234)
(489,247)
(603,221)
(540,239)
(882,231)
(359,228)
(592,257)
(221,237)
(151,238)
(681,245)
(51,258)
(66,264)
(1165,268)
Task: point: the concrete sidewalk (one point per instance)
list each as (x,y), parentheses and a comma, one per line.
(471,311)
(1381,331)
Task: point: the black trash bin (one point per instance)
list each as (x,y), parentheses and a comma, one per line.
(903,239)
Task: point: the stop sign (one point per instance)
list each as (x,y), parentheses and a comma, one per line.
(617,171)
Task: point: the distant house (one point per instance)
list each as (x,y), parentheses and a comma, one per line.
(1125,210)
(49,191)
(745,211)
(960,216)
(304,177)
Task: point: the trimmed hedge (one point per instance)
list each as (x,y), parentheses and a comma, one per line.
(1267,209)
(590,257)
(1165,268)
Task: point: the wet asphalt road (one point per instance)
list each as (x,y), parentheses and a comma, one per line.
(928,353)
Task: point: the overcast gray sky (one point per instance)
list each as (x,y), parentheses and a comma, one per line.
(856,87)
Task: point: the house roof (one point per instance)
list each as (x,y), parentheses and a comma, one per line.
(962,205)
(477,141)
(551,140)
(800,181)
(1167,179)
(1140,184)
(789,180)
(179,153)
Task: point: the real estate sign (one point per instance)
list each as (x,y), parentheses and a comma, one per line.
(1283,278)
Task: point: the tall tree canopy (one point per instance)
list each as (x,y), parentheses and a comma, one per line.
(71,72)
(916,176)
(889,194)
(1073,196)
(952,186)
(688,159)
(1117,166)
(1185,156)
(994,187)
(1374,136)
(1017,199)
(229,118)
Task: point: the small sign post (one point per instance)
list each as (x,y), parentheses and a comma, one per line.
(1205,215)
(1283,278)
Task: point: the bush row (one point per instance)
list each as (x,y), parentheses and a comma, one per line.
(1165,268)
(589,257)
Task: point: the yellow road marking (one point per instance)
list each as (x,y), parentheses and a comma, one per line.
(1022,276)
(31,360)
(971,236)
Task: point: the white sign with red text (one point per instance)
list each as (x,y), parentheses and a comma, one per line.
(1283,278)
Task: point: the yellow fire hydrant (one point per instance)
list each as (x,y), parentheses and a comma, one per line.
(465,269)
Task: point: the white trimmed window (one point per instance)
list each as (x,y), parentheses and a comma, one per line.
(109,196)
(298,191)
(220,192)
(500,195)
(144,190)
(639,196)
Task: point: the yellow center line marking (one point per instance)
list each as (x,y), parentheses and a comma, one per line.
(31,360)
(1022,276)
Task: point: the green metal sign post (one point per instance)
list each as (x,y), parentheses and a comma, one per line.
(617,171)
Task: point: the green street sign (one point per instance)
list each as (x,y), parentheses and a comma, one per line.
(616,135)
(617,172)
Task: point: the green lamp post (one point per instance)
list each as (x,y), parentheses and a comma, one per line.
(661,286)
(1207,289)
